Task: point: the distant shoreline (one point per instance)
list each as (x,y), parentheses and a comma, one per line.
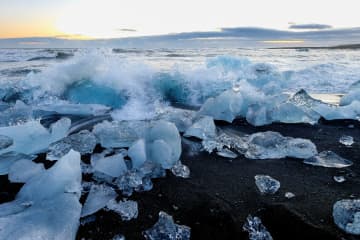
(337,47)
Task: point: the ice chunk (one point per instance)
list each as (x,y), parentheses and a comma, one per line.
(346,140)
(65,108)
(353,95)
(113,166)
(9,158)
(83,142)
(351,111)
(5,142)
(290,113)
(328,159)
(182,118)
(137,153)
(289,195)
(256,230)
(31,137)
(127,209)
(17,114)
(21,171)
(339,179)
(119,237)
(225,140)
(227,106)
(346,214)
(166,229)
(226,153)
(180,170)
(47,206)
(257,115)
(164,144)
(119,134)
(97,199)
(203,128)
(267,184)
(265,145)
(130,180)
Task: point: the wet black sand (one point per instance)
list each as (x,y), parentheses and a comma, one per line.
(220,194)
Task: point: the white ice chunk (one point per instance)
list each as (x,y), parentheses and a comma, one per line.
(166,229)
(21,171)
(328,159)
(113,166)
(267,184)
(346,214)
(256,230)
(137,153)
(97,199)
(9,158)
(47,206)
(203,128)
(226,153)
(127,209)
(31,137)
(346,140)
(180,170)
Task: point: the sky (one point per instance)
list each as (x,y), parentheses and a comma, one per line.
(105,19)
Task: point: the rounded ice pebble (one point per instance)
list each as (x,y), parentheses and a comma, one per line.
(346,214)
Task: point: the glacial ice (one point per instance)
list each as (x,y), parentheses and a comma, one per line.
(47,206)
(163,144)
(119,237)
(65,108)
(346,214)
(346,140)
(180,170)
(127,209)
(119,134)
(203,128)
(267,184)
(265,145)
(16,114)
(5,142)
(113,166)
(226,153)
(97,199)
(21,171)
(182,118)
(351,96)
(9,158)
(256,230)
(137,153)
(339,179)
(166,229)
(83,142)
(31,137)
(328,159)
(289,195)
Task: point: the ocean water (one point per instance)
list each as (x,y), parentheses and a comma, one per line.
(138,82)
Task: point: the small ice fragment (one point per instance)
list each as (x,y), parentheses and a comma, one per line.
(289,195)
(339,179)
(87,219)
(226,153)
(119,237)
(328,159)
(21,171)
(346,140)
(166,229)
(346,214)
(5,142)
(98,197)
(267,184)
(127,209)
(203,128)
(256,230)
(180,170)
(130,180)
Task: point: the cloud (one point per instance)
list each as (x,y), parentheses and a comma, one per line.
(311,26)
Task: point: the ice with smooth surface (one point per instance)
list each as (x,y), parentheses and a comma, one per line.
(137,153)
(127,209)
(83,142)
(255,229)
(328,159)
(47,206)
(226,153)
(289,195)
(166,229)
(31,137)
(180,170)
(267,145)
(346,140)
(182,118)
(163,144)
(267,184)
(346,214)
(119,134)
(352,95)
(203,128)
(339,179)
(9,158)
(113,166)
(21,171)
(5,142)
(97,199)
(66,108)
